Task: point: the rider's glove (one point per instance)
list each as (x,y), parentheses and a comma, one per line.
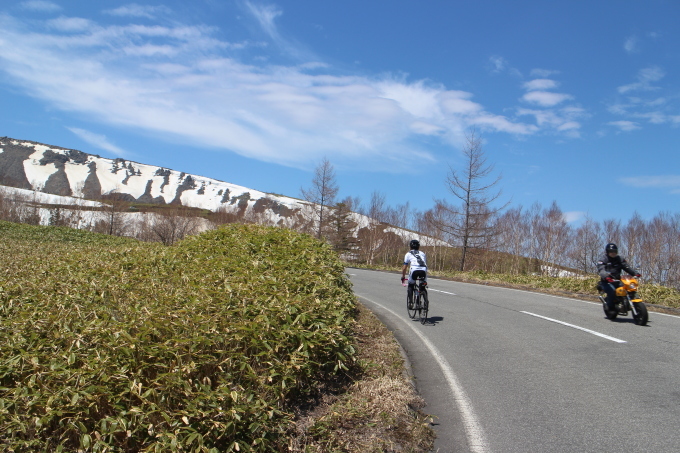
(609,279)
(638,275)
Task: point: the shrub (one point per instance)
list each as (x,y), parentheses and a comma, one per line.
(108,344)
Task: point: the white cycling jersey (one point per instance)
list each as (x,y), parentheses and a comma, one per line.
(416,261)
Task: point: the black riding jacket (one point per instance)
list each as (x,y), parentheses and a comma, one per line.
(613,266)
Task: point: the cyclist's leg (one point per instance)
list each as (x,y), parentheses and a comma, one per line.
(409,295)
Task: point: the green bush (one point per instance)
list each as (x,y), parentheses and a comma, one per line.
(109,344)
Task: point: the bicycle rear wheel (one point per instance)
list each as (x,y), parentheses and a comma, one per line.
(424,306)
(411,307)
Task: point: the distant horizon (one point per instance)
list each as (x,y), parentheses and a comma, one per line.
(278,195)
(577,103)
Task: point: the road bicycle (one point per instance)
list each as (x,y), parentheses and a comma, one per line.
(420,303)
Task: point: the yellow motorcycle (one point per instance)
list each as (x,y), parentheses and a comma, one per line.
(626,300)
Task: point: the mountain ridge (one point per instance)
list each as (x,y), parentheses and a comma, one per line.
(56,170)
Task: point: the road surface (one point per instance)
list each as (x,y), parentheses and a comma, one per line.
(505,370)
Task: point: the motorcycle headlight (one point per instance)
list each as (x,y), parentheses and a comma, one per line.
(621,292)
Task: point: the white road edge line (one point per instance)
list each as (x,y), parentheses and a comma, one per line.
(575,327)
(473,430)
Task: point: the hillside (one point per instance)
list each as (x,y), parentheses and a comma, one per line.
(72,173)
(67,174)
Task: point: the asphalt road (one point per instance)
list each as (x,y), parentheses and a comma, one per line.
(505,370)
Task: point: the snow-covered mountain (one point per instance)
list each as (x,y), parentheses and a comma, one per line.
(71,173)
(52,175)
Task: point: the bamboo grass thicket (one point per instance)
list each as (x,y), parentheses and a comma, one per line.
(110,344)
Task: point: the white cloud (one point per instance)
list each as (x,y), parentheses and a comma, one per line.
(266,15)
(573,216)
(135,10)
(540,84)
(631,45)
(70,24)
(563,120)
(545,98)
(645,78)
(498,64)
(657,182)
(100,141)
(502,124)
(40,5)
(543,73)
(420,127)
(626,126)
(180,82)
(569,126)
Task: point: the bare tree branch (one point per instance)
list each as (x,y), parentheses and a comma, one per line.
(322,193)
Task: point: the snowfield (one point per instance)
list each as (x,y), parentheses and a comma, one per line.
(76,173)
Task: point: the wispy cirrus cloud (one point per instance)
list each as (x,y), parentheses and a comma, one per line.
(265,16)
(624,125)
(135,10)
(543,73)
(98,140)
(645,79)
(644,102)
(632,44)
(667,182)
(181,82)
(546,98)
(40,6)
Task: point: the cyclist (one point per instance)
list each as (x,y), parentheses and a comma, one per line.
(416,263)
(609,267)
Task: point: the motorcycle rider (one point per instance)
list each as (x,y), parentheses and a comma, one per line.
(416,262)
(609,267)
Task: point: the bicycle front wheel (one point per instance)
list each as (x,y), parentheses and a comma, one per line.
(424,305)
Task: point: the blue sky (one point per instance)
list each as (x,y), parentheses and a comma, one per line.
(578,102)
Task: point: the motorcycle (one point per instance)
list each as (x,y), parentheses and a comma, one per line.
(626,300)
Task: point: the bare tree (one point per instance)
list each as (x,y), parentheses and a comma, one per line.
(370,235)
(551,233)
(430,223)
(633,236)
(612,232)
(513,231)
(586,245)
(114,222)
(175,224)
(471,219)
(322,193)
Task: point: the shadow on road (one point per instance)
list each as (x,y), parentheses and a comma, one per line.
(433,320)
(622,320)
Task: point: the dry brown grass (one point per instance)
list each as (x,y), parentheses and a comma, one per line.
(378,411)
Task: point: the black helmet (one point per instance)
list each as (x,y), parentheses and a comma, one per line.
(611,247)
(414,244)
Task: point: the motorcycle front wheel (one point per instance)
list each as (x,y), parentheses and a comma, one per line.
(642,316)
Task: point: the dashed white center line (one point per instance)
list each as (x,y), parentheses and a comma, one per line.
(575,327)
(440,291)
